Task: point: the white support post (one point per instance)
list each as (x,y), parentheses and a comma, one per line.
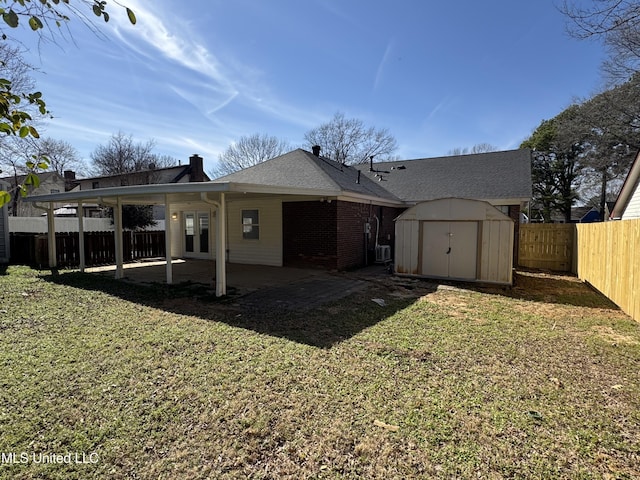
(167,239)
(221,248)
(117,221)
(51,237)
(80,213)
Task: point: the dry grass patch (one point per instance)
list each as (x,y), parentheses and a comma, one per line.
(441,382)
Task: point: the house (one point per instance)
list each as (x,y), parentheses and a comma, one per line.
(338,231)
(583,214)
(502,179)
(302,209)
(627,205)
(191,172)
(50,183)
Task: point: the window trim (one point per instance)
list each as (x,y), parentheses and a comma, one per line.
(254,225)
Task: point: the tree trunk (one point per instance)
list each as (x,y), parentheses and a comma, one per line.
(603,195)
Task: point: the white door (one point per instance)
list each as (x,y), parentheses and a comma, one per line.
(450,249)
(435,248)
(196,234)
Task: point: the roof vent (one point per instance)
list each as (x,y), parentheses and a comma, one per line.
(316,150)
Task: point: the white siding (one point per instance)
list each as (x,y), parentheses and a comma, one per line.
(633,207)
(266,250)
(496,257)
(407,248)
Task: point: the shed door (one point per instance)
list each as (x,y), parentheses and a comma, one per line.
(450,249)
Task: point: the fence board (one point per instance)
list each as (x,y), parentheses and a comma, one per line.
(609,259)
(31,249)
(547,246)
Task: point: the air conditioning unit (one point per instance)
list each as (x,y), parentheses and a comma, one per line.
(383,253)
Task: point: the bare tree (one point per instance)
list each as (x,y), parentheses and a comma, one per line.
(349,141)
(122,155)
(617,24)
(61,154)
(247,152)
(16,153)
(477,148)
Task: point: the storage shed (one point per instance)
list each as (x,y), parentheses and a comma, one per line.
(455,238)
(4,228)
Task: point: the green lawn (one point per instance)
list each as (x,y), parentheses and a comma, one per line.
(541,381)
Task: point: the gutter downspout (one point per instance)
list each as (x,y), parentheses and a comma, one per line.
(167,239)
(80,213)
(117,221)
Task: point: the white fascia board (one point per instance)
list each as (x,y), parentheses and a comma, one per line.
(360,198)
(155,193)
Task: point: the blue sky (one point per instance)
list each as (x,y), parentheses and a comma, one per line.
(197,75)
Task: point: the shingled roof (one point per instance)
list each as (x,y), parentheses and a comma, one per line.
(495,176)
(303,169)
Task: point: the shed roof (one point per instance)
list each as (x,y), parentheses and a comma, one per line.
(453,209)
(499,177)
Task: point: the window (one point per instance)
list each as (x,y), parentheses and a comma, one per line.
(54,190)
(95,185)
(250,225)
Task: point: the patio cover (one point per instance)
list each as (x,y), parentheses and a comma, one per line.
(216,194)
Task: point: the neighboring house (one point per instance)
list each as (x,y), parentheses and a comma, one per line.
(627,205)
(5,253)
(191,172)
(50,183)
(584,214)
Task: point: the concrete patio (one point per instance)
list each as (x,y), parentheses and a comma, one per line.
(258,285)
(243,277)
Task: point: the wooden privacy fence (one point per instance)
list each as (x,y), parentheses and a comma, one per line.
(549,246)
(99,247)
(609,259)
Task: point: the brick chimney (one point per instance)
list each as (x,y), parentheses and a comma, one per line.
(69,180)
(196,168)
(316,150)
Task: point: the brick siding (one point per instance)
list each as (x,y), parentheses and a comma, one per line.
(309,234)
(332,235)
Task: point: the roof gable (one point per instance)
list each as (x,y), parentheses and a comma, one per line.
(303,169)
(485,176)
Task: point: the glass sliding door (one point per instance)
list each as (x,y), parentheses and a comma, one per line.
(189,232)
(203,228)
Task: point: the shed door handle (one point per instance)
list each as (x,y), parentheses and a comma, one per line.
(449,251)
